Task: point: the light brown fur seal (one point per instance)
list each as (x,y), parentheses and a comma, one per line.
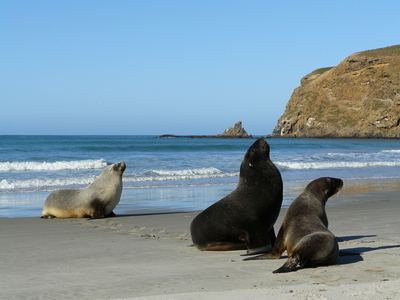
(304,232)
(96,200)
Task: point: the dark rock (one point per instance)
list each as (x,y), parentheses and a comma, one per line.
(235,132)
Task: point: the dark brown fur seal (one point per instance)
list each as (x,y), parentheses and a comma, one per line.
(304,232)
(244,218)
(96,200)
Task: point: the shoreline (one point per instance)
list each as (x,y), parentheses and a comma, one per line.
(193,198)
(146,254)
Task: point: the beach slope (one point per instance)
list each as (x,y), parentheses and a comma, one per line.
(147,254)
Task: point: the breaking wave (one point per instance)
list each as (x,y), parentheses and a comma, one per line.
(153,175)
(27,166)
(161,175)
(334,165)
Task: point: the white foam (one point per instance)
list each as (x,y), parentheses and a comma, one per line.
(26,166)
(160,175)
(201,171)
(44,183)
(334,165)
(177,185)
(154,175)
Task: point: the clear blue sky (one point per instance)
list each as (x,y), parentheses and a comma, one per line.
(179,67)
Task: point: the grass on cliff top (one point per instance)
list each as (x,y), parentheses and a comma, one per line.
(322,70)
(391,50)
(306,79)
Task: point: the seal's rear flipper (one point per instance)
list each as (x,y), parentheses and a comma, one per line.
(258,250)
(262,256)
(111,214)
(47,217)
(222,246)
(288,266)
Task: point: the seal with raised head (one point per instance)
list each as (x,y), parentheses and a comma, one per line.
(244,218)
(304,233)
(95,201)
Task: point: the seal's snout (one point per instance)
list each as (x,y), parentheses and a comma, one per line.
(263,145)
(336,183)
(339,184)
(121,166)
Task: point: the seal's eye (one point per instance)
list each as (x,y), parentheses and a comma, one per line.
(250,165)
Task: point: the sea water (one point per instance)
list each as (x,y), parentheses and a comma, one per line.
(174,173)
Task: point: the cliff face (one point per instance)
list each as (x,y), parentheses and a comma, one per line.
(359,98)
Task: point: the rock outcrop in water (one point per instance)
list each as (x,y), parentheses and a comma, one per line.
(359,98)
(235,132)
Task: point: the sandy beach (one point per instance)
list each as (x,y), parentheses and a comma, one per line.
(146,254)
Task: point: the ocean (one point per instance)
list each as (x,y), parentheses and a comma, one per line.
(178,174)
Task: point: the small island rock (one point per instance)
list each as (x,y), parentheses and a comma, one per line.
(237,131)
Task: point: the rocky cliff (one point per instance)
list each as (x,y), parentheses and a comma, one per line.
(359,98)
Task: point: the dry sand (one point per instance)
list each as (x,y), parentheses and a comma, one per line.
(146,255)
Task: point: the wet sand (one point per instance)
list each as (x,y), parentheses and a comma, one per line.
(147,254)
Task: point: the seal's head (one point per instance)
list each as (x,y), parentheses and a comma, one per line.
(257,153)
(325,187)
(119,167)
(256,165)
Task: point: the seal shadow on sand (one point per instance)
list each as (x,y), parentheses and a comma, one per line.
(353,255)
(352,237)
(137,215)
(149,214)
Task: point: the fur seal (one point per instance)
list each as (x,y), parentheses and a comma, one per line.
(96,200)
(304,232)
(244,218)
